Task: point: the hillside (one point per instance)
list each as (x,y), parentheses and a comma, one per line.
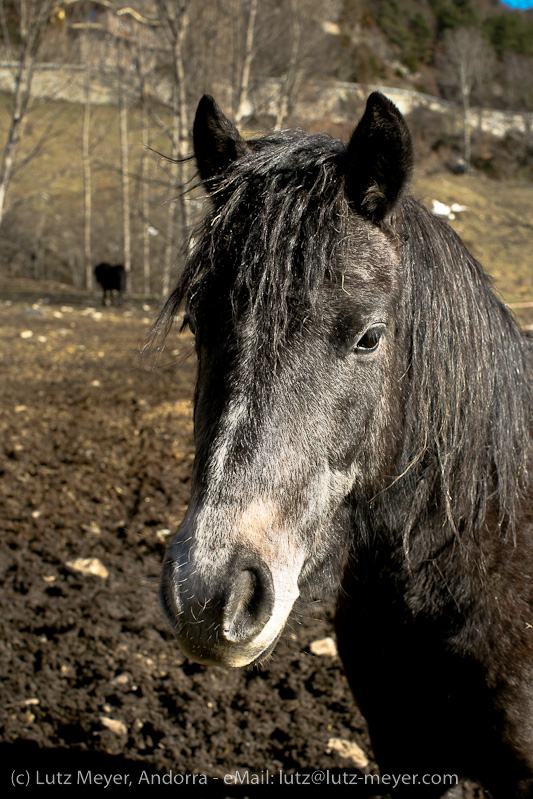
(393,42)
(402,41)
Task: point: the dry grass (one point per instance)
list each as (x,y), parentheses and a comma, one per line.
(497,227)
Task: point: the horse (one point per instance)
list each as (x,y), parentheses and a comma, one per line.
(112,278)
(362,420)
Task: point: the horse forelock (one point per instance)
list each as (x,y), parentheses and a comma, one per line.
(270,238)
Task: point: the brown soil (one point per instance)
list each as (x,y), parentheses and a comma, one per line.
(95,461)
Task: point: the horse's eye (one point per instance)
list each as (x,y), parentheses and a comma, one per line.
(370,340)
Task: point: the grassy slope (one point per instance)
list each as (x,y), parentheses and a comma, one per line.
(497,227)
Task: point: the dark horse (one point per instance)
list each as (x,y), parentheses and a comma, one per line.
(112,278)
(362,424)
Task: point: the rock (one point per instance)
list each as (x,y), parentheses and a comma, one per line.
(92,528)
(88,566)
(449,211)
(325,646)
(349,750)
(114,725)
(121,679)
(441,209)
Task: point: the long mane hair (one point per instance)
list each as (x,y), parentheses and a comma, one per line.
(468,419)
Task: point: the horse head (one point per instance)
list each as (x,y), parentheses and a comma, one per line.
(293,293)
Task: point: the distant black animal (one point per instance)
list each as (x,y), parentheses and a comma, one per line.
(363,426)
(112,278)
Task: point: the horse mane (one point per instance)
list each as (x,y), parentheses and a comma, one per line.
(277,216)
(468,418)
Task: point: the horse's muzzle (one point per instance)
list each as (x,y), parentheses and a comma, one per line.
(231,618)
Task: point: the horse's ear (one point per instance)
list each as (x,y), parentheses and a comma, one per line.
(217,142)
(379,159)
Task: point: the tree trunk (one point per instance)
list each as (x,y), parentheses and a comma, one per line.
(30,30)
(289,81)
(170,248)
(126,204)
(467,137)
(242,105)
(87,183)
(145,199)
(15,130)
(176,27)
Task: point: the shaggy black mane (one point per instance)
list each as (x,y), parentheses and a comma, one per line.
(467,426)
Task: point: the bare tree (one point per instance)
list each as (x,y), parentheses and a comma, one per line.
(163,54)
(243,103)
(291,48)
(87,182)
(136,76)
(293,72)
(124,91)
(145,182)
(32,20)
(468,62)
(174,17)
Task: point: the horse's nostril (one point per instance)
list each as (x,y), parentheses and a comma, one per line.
(249,605)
